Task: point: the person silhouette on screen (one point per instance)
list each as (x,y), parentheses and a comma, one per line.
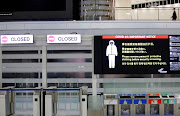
(111,52)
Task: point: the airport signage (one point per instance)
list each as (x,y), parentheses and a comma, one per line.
(153,94)
(164,94)
(128,101)
(139,94)
(137,54)
(16,39)
(140,101)
(154,101)
(124,94)
(169,101)
(110,102)
(68,38)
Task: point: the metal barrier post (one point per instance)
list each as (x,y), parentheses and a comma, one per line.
(37,103)
(51,100)
(83,100)
(7,101)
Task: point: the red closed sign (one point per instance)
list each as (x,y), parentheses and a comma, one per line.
(154,101)
(153,94)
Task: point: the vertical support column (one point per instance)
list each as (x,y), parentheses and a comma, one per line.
(113,1)
(0,66)
(94,85)
(152,76)
(39,73)
(82,7)
(113,10)
(44,66)
(148,110)
(94,78)
(152,84)
(44,77)
(147,113)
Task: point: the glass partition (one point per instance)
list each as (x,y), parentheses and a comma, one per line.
(160,13)
(141,86)
(24,103)
(95,102)
(146,14)
(68,103)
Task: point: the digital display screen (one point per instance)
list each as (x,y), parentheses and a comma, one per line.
(136,54)
(33,5)
(38,10)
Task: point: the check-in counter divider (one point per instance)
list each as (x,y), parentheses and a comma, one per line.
(169,105)
(125,105)
(110,105)
(154,105)
(140,105)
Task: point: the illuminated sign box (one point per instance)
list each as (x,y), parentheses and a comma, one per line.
(16,39)
(136,54)
(71,38)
